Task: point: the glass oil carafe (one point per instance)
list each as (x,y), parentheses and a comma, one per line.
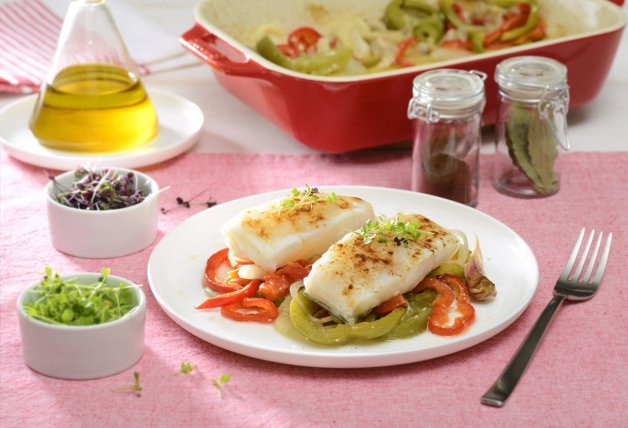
(92,99)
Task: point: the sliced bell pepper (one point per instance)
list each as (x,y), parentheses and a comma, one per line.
(394,16)
(530,24)
(304,39)
(211,267)
(389,305)
(232,297)
(340,333)
(430,29)
(450,315)
(421,5)
(326,62)
(415,319)
(277,284)
(403,46)
(454,15)
(251,309)
(266,48)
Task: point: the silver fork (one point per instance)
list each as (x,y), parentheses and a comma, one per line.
(572,285)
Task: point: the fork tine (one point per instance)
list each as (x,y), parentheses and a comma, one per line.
(602,266)
(572,257)
(583,257)
(589,271)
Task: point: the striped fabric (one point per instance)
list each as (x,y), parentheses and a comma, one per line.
(28,37)
(29,30)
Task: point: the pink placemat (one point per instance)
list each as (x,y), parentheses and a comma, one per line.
(578,377)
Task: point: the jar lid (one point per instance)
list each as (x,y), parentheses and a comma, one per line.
(448,88)
(531,76)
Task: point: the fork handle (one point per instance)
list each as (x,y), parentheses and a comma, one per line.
(506,382)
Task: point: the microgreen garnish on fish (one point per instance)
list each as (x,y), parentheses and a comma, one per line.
(383,229)
(308,196)
(100,190)
(221,381)
(136,388)
(66,301)
(186,368)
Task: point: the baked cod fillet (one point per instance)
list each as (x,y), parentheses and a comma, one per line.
(354,275)
(274,234)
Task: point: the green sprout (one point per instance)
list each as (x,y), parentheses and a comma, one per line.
(308,196)
(66,301)
(135,388)
(383,229)
(186,368)
(221,381)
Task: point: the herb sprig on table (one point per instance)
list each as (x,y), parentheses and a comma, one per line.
(68,302)
(100,190)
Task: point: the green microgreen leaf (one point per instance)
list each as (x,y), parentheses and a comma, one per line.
(66,301)
(385,229)
(221,381)
(302,198)
(136,388)
(186,368)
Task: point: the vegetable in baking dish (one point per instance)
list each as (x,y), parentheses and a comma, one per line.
(409,33)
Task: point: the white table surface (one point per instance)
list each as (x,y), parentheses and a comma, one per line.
(231,126)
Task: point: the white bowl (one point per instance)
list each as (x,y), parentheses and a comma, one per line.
(83,352)
(103,234)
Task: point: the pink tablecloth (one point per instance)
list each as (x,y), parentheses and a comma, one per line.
(578,378)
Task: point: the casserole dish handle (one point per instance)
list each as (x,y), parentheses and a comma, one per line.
(214,51)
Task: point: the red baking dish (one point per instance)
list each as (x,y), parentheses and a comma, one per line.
(345,113)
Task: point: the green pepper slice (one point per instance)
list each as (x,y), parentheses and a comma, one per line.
(447,7)
(505,3)
(341,333)
(326,62)
(477,40)
(533,20)
(450,268)
(420,5)
(416,316)
(394,16)
(430,29)
(269,50)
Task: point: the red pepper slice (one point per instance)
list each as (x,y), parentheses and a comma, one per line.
(448,318)
(457,285)
(232,297)
(439,321)
(213,263)
(457,44)
(445,294)
(277,284)
(511,21)
(251,309)
(401,51)
(390,305)
(459,12)
(304,39)
(288,50)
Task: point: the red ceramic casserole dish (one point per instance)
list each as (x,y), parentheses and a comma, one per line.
(345,113)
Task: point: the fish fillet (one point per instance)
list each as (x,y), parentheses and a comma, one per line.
(272,236)
(352,277)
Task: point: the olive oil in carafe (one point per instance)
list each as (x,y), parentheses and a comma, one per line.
(94,108)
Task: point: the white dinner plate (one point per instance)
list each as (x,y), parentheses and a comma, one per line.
(175,272)
(180,124)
